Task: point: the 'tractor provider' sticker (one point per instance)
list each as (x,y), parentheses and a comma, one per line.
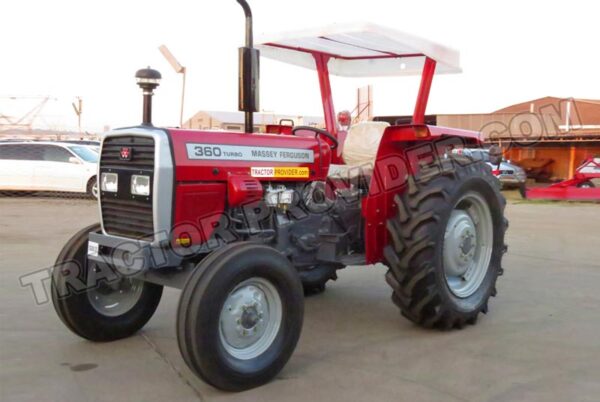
(280,172)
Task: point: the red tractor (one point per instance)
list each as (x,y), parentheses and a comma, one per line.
(244,222)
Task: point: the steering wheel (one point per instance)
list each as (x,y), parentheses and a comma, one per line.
(318,131)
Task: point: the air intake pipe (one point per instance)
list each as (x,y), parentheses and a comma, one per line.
(147,79)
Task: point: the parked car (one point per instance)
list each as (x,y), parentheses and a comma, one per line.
(92,144)
(509,174)
(95,148)
(81,142)
(48,166)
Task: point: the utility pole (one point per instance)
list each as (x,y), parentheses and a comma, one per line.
(179,69)
(77,107)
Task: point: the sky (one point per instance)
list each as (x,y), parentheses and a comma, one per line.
(511,51)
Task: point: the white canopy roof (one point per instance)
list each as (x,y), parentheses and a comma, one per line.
(360,50)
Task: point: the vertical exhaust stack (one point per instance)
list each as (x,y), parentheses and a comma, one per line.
(248,77)
(147,79)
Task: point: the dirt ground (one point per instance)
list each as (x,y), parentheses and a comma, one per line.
(539,342)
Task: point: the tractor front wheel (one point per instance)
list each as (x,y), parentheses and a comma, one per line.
(240,315)
(95,301)
(446,246)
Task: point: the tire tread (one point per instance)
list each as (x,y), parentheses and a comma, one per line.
(412,231)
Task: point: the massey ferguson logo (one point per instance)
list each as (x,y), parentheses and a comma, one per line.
(125,154)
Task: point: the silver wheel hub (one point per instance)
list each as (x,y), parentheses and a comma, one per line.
(468,245)
(459,243)
(250,318)
(113,298)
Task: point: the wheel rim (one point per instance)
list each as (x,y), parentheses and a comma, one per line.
(95,189)
(468,243)
(116,297)
(250,318)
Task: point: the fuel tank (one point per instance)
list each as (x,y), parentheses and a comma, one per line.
(209,156)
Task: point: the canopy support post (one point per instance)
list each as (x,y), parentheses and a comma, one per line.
(423,96)
(326,96)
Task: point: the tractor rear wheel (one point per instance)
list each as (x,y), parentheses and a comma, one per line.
(240,315)
(446,245)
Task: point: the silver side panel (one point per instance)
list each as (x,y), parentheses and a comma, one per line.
(162,190)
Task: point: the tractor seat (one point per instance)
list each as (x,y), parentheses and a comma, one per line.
(360,149)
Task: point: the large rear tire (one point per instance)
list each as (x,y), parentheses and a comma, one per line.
(99,310)
(240,315)
(446,246)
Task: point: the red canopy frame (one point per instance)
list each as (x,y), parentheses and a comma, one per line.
(321,61)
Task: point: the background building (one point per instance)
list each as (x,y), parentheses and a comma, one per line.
(234,121)
(548,136)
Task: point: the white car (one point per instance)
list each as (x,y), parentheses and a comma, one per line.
(48,166)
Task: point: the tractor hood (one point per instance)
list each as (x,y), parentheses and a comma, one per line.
(216,155)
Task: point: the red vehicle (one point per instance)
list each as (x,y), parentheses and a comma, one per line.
(243,222)
(580,187)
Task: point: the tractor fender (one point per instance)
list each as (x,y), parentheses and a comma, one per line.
(404,151)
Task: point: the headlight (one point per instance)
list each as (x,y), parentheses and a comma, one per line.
(109,182)
(140,185)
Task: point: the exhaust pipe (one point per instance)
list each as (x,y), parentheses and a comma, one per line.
(248,75)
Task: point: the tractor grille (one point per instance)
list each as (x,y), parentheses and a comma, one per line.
(142,156)
(124,214)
